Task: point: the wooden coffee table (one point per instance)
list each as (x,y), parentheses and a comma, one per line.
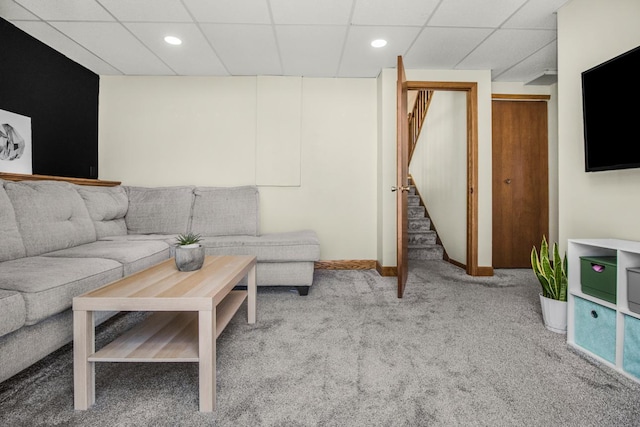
(193,308)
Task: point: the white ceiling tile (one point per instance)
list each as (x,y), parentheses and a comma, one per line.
(10,10)
(536,14)
(399,12)
(475,13)
(194,57)
(310,51)
(67,10)
(115,45)
(58,41)
(295,37)
(245,49)
(544,59)
(362,60)
(147,10)
(230,11)
(506,47)
(443,47)
(313,12)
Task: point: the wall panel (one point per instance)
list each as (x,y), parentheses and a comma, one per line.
(279,119)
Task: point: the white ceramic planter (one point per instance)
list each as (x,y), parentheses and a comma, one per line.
(554,314)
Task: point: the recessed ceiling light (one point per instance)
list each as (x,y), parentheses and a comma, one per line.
(379,43)
(173,40)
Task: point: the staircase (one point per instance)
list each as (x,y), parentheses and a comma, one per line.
(422,240)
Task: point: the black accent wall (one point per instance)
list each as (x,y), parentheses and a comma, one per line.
(59,95)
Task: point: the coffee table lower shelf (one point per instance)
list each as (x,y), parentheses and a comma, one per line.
(167,336)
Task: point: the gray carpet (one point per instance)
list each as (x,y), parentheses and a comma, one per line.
(455,351)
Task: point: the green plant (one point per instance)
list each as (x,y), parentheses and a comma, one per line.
(552,273)
(188,239)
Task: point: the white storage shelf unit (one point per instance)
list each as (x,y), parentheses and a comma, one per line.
(608,332)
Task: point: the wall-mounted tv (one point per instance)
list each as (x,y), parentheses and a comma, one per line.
(611,113)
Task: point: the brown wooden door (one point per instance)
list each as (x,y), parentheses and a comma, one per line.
(520,181)
(402,182)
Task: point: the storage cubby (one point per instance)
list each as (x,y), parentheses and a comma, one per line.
(630,354)
(595,328)
(598,277)
(599,325)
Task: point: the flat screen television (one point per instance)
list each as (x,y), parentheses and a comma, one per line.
(611,113)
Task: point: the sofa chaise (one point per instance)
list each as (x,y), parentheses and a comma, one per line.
(59,240)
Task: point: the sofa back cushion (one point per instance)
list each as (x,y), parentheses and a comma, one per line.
(107,207)
(51,215)
(11,246)
(159,210)
(226,211)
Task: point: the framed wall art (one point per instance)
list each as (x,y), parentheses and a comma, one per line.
(15,143)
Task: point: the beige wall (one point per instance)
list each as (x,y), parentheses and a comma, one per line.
(157,131)
(278,131)
(386,236)
(596,204)
(163,131)
(439,169)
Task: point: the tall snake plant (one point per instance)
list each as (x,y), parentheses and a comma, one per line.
(551,274)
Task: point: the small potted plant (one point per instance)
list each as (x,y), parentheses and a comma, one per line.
(552,275)
(189,252)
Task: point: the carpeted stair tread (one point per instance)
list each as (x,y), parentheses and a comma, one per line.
(419,224)
(416,211)
(426,252)
(422,239)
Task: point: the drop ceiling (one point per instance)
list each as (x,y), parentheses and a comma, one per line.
(515,39)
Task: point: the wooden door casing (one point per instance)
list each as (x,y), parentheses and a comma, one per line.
(471,89)
(520,180)
(402,182)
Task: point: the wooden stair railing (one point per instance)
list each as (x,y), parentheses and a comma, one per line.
(416,118)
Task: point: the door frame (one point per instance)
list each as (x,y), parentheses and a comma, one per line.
(524,98)
(471,90)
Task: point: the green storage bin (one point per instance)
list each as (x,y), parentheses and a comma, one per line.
(595,328)
(598,276)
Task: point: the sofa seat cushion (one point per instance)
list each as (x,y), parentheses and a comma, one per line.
(275,247)
(107,207)
(169,239)
(48,284)
(13,312)
(134,256)
(159,210)
(11,246)
(51,215)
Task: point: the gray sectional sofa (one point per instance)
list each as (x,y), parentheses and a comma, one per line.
(59,240)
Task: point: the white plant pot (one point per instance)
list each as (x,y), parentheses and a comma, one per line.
(189,257)
(554,314)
